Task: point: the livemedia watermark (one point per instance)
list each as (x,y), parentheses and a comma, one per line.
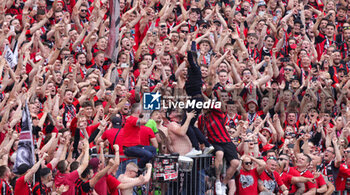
(155,101)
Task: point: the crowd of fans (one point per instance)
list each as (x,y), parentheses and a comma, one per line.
(279,69)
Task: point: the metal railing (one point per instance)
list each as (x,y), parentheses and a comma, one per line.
(199,181)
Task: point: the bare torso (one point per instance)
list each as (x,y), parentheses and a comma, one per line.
(179,144)
(164,130)
(125,179)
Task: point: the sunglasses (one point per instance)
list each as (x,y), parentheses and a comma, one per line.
(288,69)
(272,158)
(347,151)
(184,31)
(84,10)
(162,26)
(346,27)
(248,163)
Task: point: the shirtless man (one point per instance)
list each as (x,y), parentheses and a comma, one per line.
(180,143)
(130,177)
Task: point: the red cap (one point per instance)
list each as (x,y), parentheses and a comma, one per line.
(60,1)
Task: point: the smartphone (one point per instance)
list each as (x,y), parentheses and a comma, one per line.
(261,13)
(12,28)
(124,65)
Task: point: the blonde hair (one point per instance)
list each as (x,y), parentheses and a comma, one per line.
(131,165)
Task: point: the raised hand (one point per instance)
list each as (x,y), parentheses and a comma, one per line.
(191,114)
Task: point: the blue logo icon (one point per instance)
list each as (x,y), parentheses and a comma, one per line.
(151,101)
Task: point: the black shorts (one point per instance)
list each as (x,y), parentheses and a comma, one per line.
(229,149)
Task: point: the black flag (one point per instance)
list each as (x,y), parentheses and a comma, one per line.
(25,151)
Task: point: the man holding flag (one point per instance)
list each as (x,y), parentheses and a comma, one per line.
(25,152)
(25,156)
(23,184)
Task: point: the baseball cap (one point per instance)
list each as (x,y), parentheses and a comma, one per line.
(267,129)
(200,22)
(252,100)
(116,122)
(261,3)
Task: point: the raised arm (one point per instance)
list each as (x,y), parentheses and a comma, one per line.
(85,161)
(100,174)
(183,129)
(115,167)
(261,164)
(34,169)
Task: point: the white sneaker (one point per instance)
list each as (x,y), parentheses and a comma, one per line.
(209,150)
(218,189)
(194,152)
(223,188)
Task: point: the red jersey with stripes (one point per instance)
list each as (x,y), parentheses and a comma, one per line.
(43,190)
(5,188)
(213,123)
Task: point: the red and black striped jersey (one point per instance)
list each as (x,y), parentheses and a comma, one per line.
(82,188)
(5,188)
(40,191)
(213,123)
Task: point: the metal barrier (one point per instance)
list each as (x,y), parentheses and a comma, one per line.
(196,182)
(199,181)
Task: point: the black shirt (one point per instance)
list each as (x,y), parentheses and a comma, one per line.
(194,81)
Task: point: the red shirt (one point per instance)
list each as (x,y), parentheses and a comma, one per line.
(343,176)
(22,187)
(320,182)
(308,174)
(101,185)
(285,178)
(247,182)
(146,134)
(67,179)
(112,184)
(110,134)
(269,183)
(131,132)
